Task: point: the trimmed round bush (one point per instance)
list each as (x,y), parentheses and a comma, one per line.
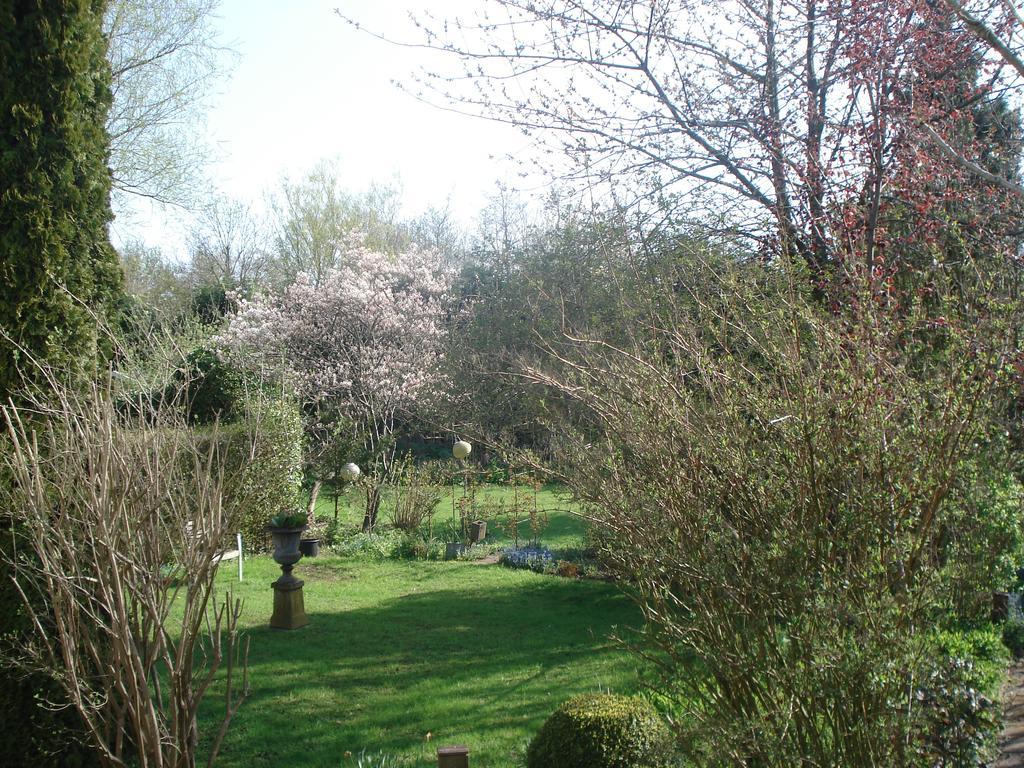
(602,731)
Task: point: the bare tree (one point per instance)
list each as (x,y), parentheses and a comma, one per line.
(164,56)
(998,25)
(118,523)
(228,245)
(436,230)
(790,122)
(311,217)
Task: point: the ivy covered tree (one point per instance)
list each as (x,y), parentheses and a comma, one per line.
(59,275)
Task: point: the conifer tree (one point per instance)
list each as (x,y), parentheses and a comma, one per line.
(59,274)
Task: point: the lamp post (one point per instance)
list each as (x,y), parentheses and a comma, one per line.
(460,450)
(348,473)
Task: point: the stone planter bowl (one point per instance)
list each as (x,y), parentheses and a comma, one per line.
(286,544)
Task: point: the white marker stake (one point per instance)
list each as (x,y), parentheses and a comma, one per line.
(238,538)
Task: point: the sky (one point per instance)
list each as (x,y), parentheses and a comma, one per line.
(308,87)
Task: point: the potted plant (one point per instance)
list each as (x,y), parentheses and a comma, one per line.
(309,544)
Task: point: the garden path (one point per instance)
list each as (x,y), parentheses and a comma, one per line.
(1011,743)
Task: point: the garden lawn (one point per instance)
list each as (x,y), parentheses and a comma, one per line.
(472,654)
(564,529)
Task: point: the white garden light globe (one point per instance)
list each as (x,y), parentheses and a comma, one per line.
(350,472)
(461,449)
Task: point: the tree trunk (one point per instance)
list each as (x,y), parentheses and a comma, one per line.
(314,493)
(372,507)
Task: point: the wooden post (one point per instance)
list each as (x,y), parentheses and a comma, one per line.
(453,757)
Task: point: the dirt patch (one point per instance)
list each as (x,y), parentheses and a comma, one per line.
(321,572)
(491,559)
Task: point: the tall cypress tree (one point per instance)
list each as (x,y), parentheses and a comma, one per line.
(58,271)
(59,275)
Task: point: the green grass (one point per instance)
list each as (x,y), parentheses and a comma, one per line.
(474,654)
(564,529)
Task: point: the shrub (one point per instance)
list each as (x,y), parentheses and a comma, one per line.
(140,506)
(213,390)
(773,480)
(376,546)
(958,723)
(332,532)
(601,731)
(47,737)
(983,647)
(1013,638)
(415,498)
(262,461)
(983,542)
(957,720)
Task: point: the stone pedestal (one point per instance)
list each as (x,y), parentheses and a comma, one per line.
(453,757)
(289,609)
(477,531)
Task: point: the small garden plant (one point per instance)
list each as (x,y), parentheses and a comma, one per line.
(288,520)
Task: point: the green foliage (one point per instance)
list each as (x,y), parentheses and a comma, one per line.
(774,479)
(523,284)
(982,646)
(211,303)
(58,270)
(982,541)
(213,389)
(601,731)
(1013,638)
(262,459)
(385,545)
(957,721)
(288,520)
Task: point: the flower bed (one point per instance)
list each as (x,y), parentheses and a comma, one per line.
(543,560)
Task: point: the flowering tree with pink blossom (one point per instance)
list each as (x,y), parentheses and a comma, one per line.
(358,349)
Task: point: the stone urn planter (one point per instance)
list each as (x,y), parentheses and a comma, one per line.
(286,547)
(289,608)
